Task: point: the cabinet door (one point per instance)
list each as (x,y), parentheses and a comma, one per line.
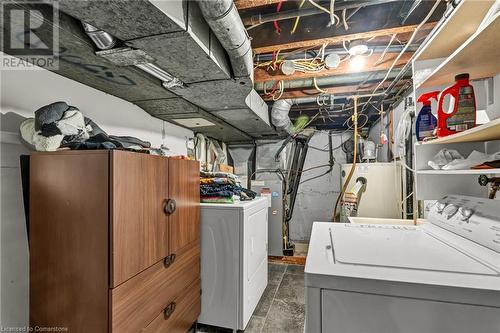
(139,222)
(184,188)
(69,240)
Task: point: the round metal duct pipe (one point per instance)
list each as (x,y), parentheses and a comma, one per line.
(225,21)
(280,109)
(353,78)
(279,115)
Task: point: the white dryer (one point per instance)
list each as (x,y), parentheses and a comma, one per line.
(442,276)
(233,261)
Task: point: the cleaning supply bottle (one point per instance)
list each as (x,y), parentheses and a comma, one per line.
(461,114)
(426,121)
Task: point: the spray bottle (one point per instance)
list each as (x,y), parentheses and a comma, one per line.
(426,122)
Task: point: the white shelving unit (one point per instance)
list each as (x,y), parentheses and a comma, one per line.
(478,56)
(460,172)
(487,132)
(450,37)
(458,46)
(433,184)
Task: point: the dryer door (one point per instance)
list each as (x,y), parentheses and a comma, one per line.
(255,260)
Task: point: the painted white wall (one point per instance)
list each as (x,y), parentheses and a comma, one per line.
(22,92)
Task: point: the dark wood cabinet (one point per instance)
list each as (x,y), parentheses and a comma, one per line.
(114,242)
(184,181)
(139,190)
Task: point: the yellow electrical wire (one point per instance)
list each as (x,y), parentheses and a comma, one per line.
(281,86)
(332,12)
(318,88)
(346,27)
(353,166)
(297,19)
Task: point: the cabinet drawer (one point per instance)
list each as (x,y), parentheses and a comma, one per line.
(186,311)
(135,303)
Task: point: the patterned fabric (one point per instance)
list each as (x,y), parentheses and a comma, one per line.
(219,181)
(217,200)
(217,174)
(220,187)
(217,190)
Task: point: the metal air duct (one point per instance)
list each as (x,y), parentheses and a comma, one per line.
(279,115)
(106,42)
(280,109)
(222,16)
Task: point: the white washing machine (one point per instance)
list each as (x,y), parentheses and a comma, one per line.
(233,261)
(442,276)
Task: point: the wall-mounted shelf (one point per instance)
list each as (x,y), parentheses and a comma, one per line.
(458,46)
(460,172)
(462,23)
(486,132)
(479,56)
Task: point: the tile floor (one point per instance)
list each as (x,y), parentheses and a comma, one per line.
(282,306)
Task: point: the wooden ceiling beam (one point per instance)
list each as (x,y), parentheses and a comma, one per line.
(261,75)
(339,39)
(247,4)
(341,90)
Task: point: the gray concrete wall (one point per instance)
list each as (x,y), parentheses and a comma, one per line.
(316,198)
(22,92)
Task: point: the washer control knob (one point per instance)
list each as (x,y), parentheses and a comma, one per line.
(440,206)
(465,213)
(449,211)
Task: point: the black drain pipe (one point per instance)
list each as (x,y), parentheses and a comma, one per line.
(301,147)
(409,162)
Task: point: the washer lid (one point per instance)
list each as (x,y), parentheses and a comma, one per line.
(401,247)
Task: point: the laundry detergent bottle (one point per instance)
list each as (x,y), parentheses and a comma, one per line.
(426,122)
(461,113)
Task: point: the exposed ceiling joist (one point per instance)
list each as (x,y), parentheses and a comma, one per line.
(293,13)
(261,75)
(338,39)
(341,90)
(246,4)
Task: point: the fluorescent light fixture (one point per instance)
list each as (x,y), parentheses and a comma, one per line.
(169,81)
(102,39)
(358,47)
(357,63)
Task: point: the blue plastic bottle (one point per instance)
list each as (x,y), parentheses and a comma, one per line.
(426,121)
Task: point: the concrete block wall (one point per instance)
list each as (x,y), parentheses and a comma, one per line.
(316,198)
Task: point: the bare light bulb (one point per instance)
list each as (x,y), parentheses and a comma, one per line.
(357,47)
(357,63)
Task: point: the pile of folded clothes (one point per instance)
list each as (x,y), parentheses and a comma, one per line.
(59,125)
(222,187)
(450,159)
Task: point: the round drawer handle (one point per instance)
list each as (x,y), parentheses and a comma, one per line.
(170,206)
(169,310)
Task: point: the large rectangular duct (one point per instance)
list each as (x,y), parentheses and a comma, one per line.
(173,36)
(241,155)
